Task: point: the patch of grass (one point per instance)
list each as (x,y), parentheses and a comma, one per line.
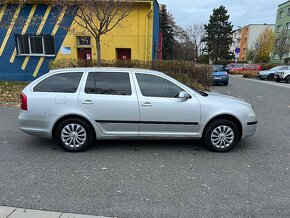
(10,92)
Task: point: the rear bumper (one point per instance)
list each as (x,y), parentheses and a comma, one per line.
(260,76)
(35,124)
(221,80)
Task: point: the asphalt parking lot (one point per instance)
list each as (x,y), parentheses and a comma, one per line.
(156,178)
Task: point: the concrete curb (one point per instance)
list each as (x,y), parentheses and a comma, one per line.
(13,212)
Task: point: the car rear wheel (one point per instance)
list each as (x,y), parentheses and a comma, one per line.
(74,135)
(226,83)
(288,79)
(221,135)
(270,77)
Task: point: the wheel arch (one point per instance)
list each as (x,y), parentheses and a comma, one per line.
(71,116)
(232,118)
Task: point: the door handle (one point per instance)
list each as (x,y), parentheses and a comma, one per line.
(87,102)
(147,104)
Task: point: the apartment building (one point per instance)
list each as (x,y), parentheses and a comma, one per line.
(246,38)
(282,22)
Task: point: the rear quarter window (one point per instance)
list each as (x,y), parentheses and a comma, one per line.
(62,82)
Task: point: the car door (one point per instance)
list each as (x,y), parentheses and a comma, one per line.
(109,98)
(162,112)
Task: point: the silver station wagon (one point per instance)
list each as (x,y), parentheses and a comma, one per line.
(80,105)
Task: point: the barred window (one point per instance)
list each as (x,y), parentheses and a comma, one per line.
(35,45)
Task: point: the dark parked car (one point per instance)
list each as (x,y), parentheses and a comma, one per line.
(220,75)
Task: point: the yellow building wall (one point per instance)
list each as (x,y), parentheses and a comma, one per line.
(134,32)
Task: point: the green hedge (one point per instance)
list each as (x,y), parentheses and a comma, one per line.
(194,76)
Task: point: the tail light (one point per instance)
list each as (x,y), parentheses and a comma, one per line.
(23,102)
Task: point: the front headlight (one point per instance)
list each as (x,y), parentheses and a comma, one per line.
(251,112)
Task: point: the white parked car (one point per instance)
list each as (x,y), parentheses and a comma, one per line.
(270,74)
(282,75)
(80,105)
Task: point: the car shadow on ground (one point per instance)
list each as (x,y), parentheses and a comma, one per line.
(193,146)
(34,143)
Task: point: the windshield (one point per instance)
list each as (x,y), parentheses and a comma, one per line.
(217,68)
(277,68)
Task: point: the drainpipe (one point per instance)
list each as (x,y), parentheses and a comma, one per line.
(147,30)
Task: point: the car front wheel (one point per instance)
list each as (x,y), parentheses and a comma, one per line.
(288,79)
(221,135)
(74,135)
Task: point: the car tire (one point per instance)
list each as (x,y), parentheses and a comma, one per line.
(278,80)
(226,83)
(74,135)
(288,79)
(270,77)
(221,135)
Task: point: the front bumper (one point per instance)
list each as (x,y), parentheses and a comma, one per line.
(250,127)
(279,76)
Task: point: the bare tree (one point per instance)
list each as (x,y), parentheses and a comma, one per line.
(282,46)
(98,16)
(195,33)
(188,42)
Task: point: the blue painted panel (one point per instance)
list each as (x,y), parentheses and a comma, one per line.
(59,37)
(156,30)
(12,71)
(18,26)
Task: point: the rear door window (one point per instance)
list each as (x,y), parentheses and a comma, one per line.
(108,83)
(62,82)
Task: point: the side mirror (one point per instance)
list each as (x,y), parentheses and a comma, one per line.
(184,95)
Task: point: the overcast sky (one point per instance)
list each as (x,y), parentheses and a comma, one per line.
(242,12)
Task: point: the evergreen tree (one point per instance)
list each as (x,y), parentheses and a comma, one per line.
(218,35)
(167,26)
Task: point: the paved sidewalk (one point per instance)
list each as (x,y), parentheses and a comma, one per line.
(13,212)
(273,83)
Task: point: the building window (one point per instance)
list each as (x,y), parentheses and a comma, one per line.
(288,12)
(275,56)
(287,41)
(35,45)
(279,28)
(84,41)
(281,14)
